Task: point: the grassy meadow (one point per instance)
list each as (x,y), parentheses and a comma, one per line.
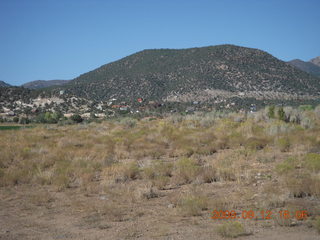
(162,178)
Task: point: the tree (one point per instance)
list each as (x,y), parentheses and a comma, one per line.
(281,114)
(15,119)
(271,112)
(76,118)
(24,120)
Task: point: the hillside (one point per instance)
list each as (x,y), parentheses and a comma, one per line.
(316,61)
(4,84)
(308,67)
(195,73)
(44,83)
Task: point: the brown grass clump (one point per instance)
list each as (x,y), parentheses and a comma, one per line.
(186,170)
(283,144)
(192,205)
(232,229)
(316,224)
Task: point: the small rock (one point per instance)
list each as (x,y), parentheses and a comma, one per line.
(103,198)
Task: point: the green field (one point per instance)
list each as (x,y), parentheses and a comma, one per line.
(13,127)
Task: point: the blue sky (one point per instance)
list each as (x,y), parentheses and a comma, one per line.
(61,39)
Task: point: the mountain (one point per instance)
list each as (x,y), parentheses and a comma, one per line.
(308,67)
(194,73)
(4,84)
(316,61)
(44,83)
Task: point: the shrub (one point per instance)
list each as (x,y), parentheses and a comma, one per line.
(317,111)
(277,128)
(271,112)
(48,117)
(76,118)
(312,161)
(281,114)
(306,107)
(159,172)
(282,221)
(186,170)
(128,122)
(317,224)
(283,144)
(232,229)
(307,122)
(24,120)
(209,174)
(256,143)
(193,205)
(15,119)
(161,181)
(286,166)
(302,185)
(131,171)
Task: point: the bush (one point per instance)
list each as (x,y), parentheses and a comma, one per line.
(24,120)
(256,143)
(283,144)
(312,161)
(281,114)
(286,166)
(317,224)
(186,170)
(271,113)
(307,122)
(15,119)
(131,171)
(232,229)
(193,205)
(128,122)
(76,118)
(49,117)
(306,107)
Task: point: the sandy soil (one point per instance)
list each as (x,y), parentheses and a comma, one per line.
(27,213)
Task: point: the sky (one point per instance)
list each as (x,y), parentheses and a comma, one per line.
(61,39)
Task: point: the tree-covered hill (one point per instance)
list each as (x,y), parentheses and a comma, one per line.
(4,84)
(164,73)
(308,67)
(38,84)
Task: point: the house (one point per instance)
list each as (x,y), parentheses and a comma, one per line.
(100,115)
(123,108)
(140,100)
(115,106)
(190,109)
(11,113)
(85,115)
(253,108)
(68,115)
(111,101)
(34,110)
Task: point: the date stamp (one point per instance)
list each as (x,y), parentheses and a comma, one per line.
(259,215)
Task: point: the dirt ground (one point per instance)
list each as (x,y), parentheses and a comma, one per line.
(28,213)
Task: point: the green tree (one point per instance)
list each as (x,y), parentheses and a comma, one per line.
(76,118)
(281,114)
(15,119)
(271,112)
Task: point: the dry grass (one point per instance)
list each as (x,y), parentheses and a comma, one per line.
(232,229)
(235,164)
